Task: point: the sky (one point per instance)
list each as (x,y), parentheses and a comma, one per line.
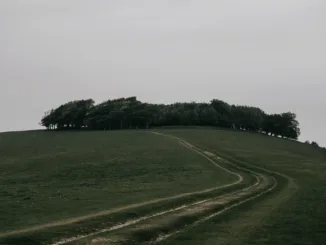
(269,54)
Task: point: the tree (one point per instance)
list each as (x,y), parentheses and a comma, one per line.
(315,144)
(289,126)
(223,112)
(247,118)
(130,113)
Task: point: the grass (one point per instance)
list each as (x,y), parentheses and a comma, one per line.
(46,177)
(287,216)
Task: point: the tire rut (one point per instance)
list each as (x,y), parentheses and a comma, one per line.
(202,210)
(136,205)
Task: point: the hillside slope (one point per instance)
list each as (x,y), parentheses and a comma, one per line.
(54,178)
(181,186)
(291,217)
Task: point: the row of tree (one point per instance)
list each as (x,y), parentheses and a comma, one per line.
(131,113)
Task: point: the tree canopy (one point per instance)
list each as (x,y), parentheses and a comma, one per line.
(129,112)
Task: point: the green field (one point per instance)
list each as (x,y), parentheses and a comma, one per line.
(76,187)
(294,216)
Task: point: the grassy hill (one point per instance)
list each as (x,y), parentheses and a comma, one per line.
(294,216)
(184,186)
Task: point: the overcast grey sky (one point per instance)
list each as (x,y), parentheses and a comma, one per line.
(268,53)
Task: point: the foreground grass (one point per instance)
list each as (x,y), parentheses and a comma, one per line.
(45,177)
(151,228)
(289,216)
(121,168)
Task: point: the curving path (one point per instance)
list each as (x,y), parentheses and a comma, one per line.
(177,219)
(131,206)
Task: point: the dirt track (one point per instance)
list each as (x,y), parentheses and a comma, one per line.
(205,209)
(223,203)
(128,207)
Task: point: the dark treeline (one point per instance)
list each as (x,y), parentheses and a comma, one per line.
(131,113)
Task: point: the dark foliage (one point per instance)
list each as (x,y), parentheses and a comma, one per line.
(315,144)
(131,113)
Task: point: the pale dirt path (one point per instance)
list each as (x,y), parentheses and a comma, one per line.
(131,206)
(196,207)
(166,236)
(204,154)
(291,185)
(147,217)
